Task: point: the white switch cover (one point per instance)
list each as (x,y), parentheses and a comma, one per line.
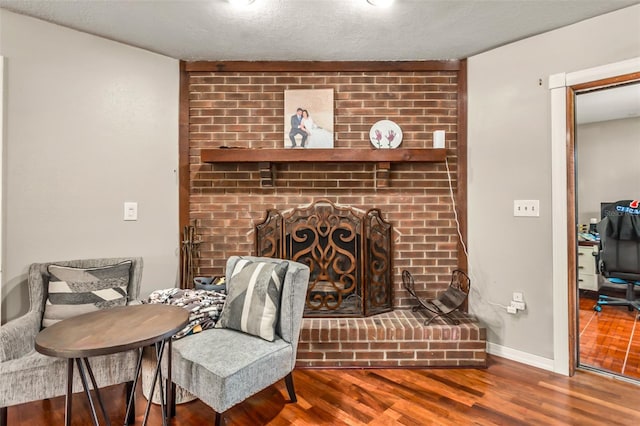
(526,207)
(130,210)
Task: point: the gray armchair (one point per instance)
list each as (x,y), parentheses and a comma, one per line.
(26,375)
(223,367)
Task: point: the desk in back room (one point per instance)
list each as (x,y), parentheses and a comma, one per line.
(587,271)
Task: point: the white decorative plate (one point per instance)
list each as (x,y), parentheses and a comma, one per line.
(385,134)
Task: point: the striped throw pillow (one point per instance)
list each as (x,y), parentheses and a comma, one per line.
(75,291)
(253,298)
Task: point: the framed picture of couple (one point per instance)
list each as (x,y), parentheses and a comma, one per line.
(308,118)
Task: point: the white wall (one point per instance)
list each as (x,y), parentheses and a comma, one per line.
(90,124)
(606,163)
(509,155)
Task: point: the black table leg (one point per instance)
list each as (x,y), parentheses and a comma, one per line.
(87,391)
(67,408)
(159,353)
(170,387)
(131,402)
(97,391)
(173,388)
(130,419)
(163,406)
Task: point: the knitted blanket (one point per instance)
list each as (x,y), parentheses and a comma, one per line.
(204,307)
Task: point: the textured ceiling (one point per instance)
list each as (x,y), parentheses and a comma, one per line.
(320,30)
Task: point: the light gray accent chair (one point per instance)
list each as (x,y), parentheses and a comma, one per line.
(27,375)
(223,367)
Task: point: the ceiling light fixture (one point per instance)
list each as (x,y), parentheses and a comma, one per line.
(380,3)
(241,2)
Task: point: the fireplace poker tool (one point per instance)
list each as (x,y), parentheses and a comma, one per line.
(190,252)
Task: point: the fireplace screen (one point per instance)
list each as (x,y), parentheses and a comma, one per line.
(347,250)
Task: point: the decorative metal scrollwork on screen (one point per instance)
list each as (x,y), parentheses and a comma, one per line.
(347,251)
(379,262)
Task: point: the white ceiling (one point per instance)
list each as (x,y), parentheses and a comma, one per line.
(318,30)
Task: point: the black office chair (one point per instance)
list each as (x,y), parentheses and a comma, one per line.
(619,255)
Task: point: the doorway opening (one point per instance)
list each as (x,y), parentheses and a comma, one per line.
(605,147)
(563,87)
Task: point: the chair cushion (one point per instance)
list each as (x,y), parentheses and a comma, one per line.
(74,291)
(253,298)
(224,367)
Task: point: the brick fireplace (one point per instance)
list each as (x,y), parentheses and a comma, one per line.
(240,105)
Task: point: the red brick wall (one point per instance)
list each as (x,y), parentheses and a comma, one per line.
(246,109)
(393,339)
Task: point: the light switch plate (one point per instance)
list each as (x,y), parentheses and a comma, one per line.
(526,207)
(130,210)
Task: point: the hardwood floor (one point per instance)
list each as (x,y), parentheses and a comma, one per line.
(610,340)
(506,393)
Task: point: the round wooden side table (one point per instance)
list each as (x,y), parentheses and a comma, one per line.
(109,331)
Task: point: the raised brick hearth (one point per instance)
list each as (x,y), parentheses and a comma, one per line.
(392,339)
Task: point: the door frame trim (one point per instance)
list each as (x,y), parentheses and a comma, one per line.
(563,87)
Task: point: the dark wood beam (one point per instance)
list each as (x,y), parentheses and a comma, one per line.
(319,66)
(461,178)
(184,179)
(337,155)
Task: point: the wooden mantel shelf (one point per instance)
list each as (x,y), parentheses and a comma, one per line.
(266,157)
(335,155)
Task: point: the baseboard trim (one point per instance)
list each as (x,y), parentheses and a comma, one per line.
(519,356)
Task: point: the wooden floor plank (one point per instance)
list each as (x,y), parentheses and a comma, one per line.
(609,340)
(505,393)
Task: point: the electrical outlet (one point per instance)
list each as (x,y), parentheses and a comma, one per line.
(517,305)
(518,296)
(526,207)
(512,310)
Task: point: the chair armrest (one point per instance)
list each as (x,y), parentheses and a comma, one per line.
(17,337)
